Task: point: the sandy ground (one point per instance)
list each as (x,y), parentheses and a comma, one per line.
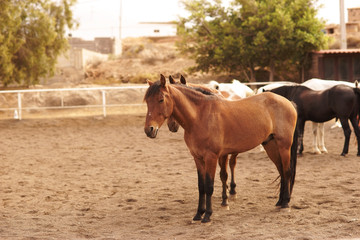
(102,178)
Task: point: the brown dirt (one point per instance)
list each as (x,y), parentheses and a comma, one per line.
(102,178)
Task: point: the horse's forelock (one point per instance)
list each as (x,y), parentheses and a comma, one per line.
(152,90)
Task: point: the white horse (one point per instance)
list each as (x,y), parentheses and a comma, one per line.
(318,128)
(232,91)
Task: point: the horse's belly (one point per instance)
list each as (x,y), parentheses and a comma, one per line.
(244,141)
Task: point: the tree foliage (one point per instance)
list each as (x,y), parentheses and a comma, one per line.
(32,35)
(250,34)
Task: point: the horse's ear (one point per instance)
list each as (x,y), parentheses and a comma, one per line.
(172,81)
(149,82)
(162,80)
(183,80)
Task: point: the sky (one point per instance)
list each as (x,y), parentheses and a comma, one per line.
(101,18)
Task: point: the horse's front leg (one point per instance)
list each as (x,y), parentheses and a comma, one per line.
(347,133)
(201,187)
(223,160)
(315,127)
(322,138)
(210,169)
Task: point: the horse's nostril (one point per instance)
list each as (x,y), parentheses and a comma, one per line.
(151,129)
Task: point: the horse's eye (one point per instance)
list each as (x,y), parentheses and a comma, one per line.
(161,100)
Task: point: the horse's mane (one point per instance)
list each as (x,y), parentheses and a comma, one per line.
(155,88)
(194,92)
(199,89)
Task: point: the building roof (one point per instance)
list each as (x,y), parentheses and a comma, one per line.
(337,51)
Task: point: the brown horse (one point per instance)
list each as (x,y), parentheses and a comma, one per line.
(215,127)
(223,160)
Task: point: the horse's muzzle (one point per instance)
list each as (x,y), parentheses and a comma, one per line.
(151,131)
(173,126)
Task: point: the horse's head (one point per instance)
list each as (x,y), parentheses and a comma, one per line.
(159,105)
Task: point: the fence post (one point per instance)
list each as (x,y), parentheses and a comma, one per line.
(62,99)
(19,105)
(104,102)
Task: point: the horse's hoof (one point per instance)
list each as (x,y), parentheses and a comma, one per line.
(232,192)
(197,217)
(316,151)
(324,150)
(225,207)
(233,197)
(343,154)
(225,202)
(206,220)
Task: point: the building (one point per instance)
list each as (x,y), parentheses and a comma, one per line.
(104,45)
(339,64)
(352,25)
(336,64)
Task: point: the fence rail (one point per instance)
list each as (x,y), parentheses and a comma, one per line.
(19,103)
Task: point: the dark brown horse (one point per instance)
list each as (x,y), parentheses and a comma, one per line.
(215,127)
(340,101)
(223,160)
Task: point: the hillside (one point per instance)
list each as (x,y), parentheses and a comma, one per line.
(142,59)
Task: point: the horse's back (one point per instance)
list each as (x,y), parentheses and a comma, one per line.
(271,104)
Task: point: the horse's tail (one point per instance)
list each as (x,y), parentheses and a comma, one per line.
(357,94)
(293,158)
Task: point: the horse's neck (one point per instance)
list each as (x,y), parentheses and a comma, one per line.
(185,109)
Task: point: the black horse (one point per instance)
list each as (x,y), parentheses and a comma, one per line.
(340,102)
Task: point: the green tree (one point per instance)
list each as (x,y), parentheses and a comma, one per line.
(270,34)
(32,35)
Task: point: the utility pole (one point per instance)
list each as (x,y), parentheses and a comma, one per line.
(343,44)
(120,21)
(118,41)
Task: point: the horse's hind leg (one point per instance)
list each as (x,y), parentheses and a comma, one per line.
(301,126)
(223,160)
(273,152)
(232,169)
(347,133)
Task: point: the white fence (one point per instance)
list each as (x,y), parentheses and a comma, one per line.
(38,102)
(13,103)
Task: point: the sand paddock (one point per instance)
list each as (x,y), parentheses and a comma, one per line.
(102,178)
